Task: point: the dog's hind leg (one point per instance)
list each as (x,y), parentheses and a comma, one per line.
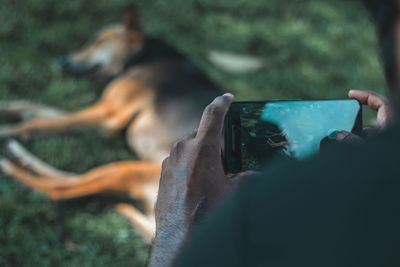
(131,178)
(143,224)
(137,179)
(21,155)
(24,110)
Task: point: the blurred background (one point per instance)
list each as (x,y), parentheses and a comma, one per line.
(302,49)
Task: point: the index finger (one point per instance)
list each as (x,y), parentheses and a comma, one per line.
(371,99)
(212,120)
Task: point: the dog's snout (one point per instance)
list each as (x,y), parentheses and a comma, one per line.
(77,68)
(65,64)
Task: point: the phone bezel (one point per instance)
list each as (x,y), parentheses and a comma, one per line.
(232,155)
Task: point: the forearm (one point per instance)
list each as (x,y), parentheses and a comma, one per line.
(166,246)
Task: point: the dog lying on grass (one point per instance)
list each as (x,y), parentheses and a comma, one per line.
(154,93)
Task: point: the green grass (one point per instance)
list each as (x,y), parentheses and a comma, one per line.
(313,49)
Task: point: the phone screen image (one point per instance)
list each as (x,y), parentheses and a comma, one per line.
(288,129)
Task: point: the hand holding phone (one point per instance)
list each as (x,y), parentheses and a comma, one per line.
(256,132)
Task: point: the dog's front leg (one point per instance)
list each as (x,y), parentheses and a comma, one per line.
(92,117)
(25,110)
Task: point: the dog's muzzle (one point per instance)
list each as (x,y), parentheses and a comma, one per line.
(71,67)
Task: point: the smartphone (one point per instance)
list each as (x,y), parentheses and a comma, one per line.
(256,132)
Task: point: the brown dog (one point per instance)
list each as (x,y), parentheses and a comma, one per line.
(154,93)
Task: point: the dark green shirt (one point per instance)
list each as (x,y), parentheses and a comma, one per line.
(341,208)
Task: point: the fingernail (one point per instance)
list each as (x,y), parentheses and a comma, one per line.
(332,134)
(341,135)
(229,95)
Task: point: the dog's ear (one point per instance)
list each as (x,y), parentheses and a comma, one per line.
(131,18)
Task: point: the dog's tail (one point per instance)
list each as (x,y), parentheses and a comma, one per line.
(235,63)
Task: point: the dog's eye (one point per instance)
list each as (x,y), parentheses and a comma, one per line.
(93,40)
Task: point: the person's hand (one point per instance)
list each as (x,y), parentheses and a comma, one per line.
(192,182)
(376,102)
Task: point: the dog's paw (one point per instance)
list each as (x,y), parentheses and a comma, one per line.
(6,166)
(6,132)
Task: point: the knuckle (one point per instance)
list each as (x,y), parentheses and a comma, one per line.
(385,101)
(178,145)
(193,134)
(190,136)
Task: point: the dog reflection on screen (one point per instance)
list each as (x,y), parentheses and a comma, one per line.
(261,143)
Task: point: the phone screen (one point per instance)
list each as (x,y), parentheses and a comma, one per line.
(259,131)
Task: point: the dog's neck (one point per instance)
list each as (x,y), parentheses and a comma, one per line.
(152,50)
